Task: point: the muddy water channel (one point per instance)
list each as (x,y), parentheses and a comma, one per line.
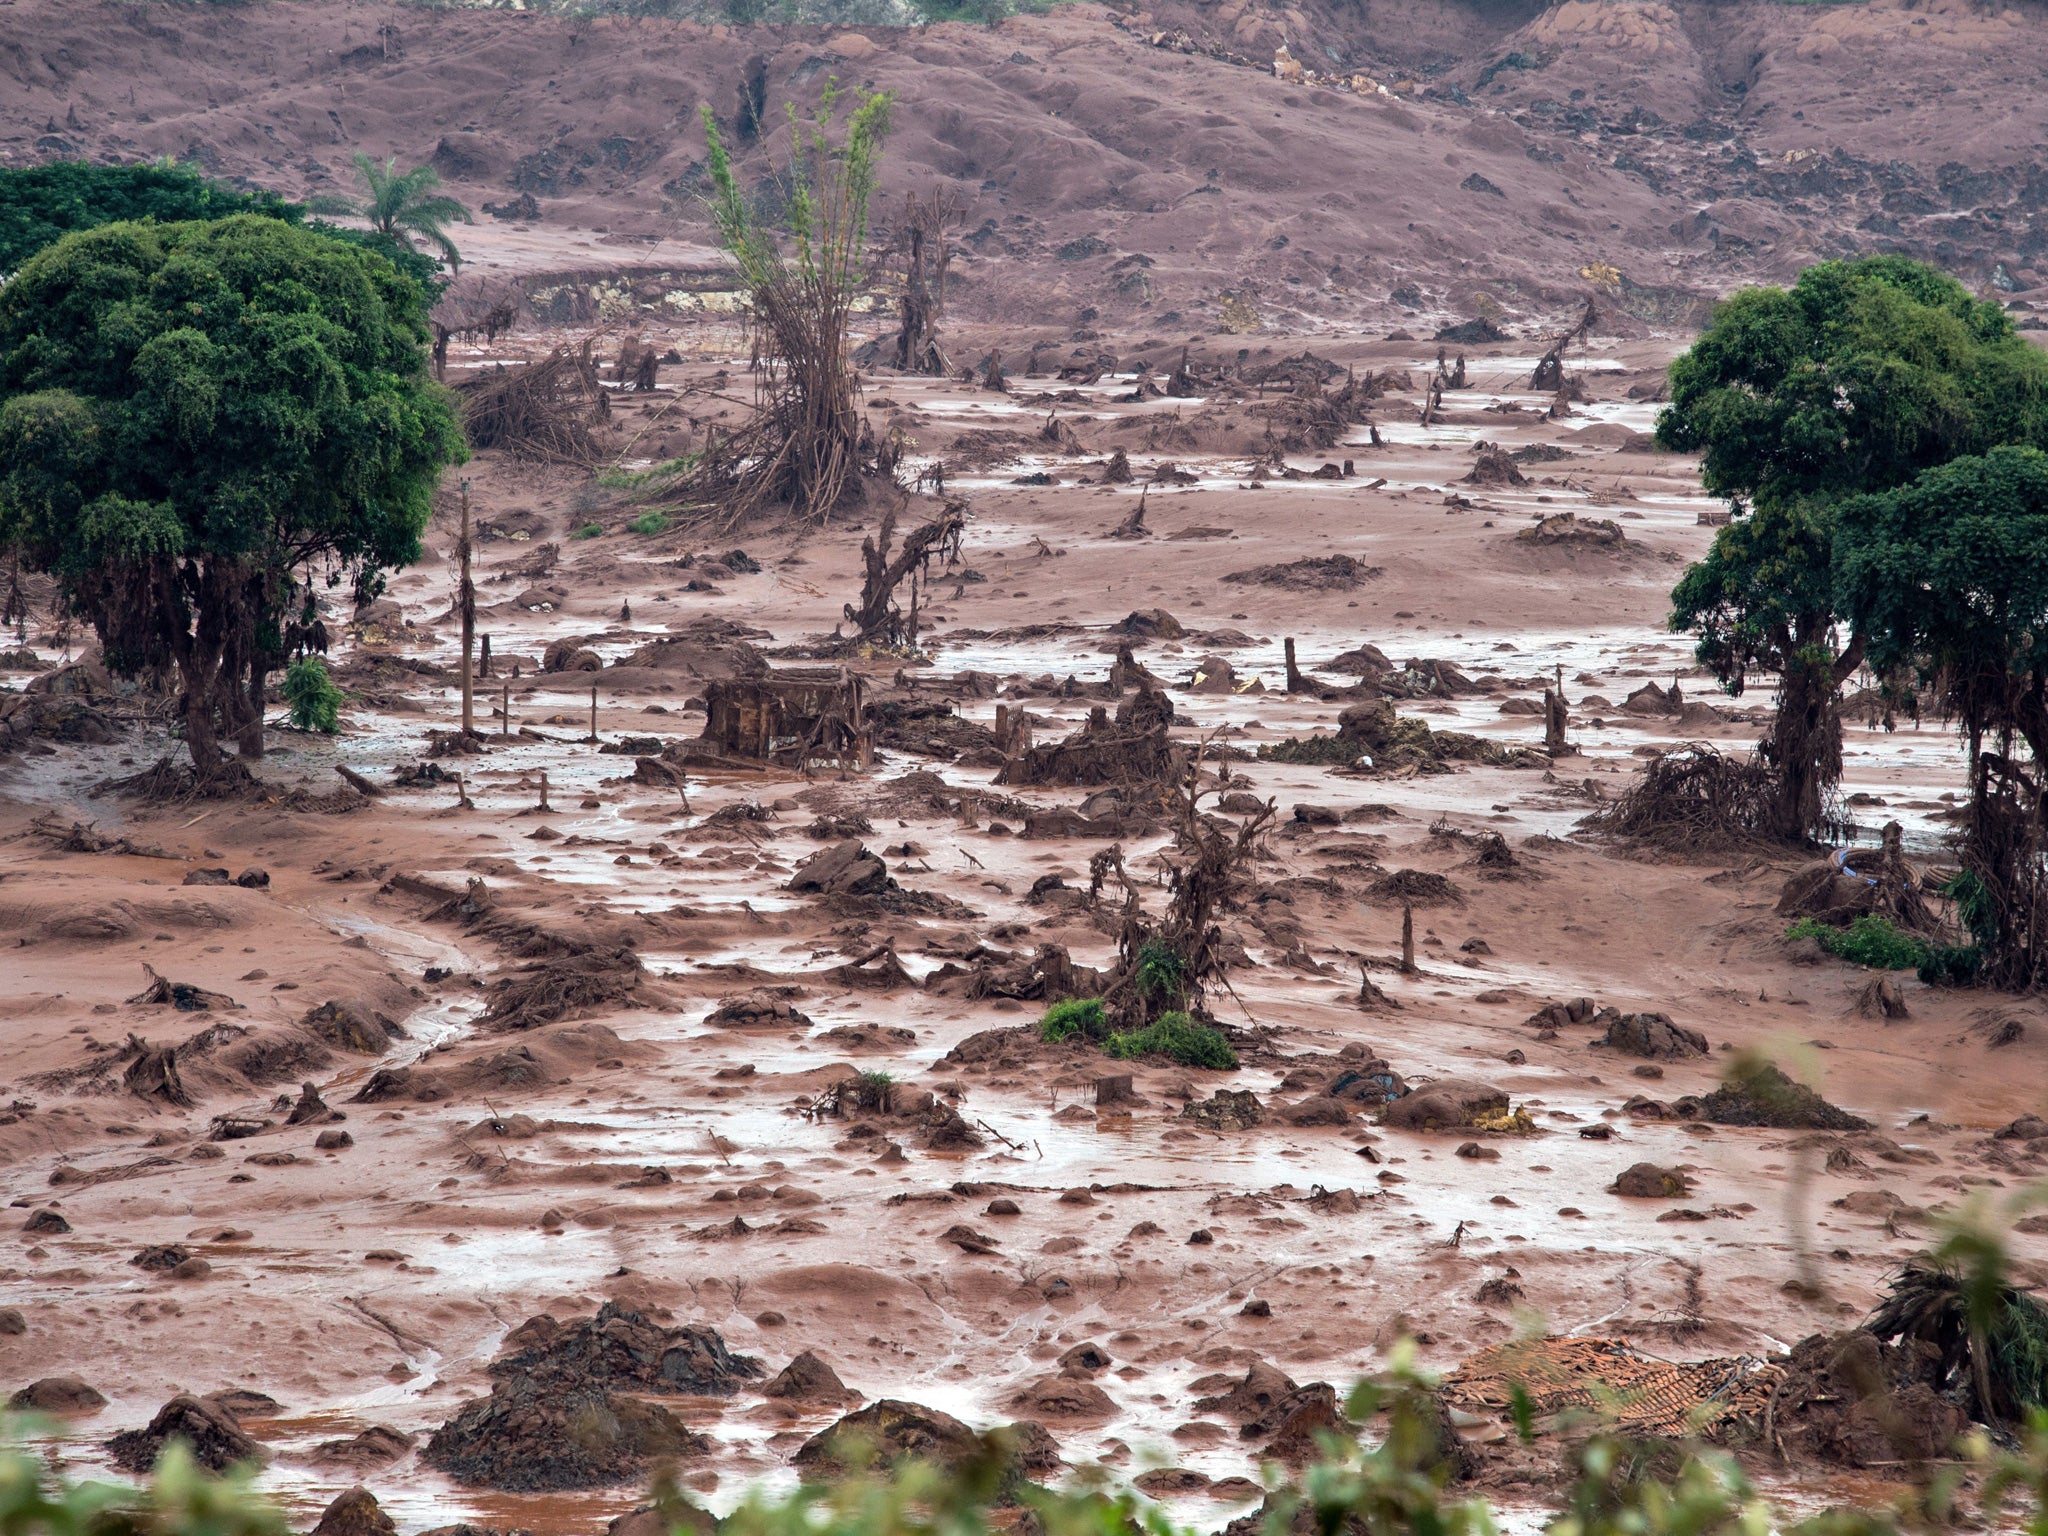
(650,1150)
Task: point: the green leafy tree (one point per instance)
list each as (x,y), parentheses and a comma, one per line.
(1949,575)
(403,206)
(1856,379)
(195,419)
(40,204)
(312,698)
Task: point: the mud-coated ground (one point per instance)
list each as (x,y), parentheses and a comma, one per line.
(509,1174)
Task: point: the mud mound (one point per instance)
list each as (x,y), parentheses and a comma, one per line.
(1449,1104)
(1567,530)
(1416,888)
(553,989)
(1852,1399)
(1646,1181)
(621,1349)
(530,1436)
(807,1379)
(215,1440)
(1494,466)
(350,1024)
(759,1009)
(1767,1097)
(1098,754)
(57,1394)
(1332,573)
(892,1430)
(355,1513)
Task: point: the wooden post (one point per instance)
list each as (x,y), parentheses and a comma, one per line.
(544,806)
(483,659)
(1407,936)
(1553,724)
(505,709)
(466,601)
(1294,680)
(593,712)
(1003,727)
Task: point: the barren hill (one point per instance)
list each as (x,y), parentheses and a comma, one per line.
(1476,158)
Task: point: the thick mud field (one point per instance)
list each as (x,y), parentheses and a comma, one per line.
(580,1031)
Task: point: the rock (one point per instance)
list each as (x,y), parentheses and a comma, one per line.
(1290,1426)
(355,1513)
(1228,1109)
(1250,1399)
(310,1109)
(756,1010)
(333,1141)
(254,879)
(1003,1205)
(2026,1128)
(206,877)
(1166,1482)
(1655,1036)
(1085,1360)
(533,1436)
(843,869)
(965,1238)
(245,1402)
(1153,624)
(674,1515)
(1447,1104)
(194,1268)
(351,1025)
(12,1323)
(57,1394)
(46,1221)
(621,1348)
(1317,1109)
(160,1257)
(216,1441)
(891,1430)
(1647,1181)
(1070,1398)
(807,1379)
(374,1447)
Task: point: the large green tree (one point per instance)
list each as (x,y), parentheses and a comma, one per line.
(1949,575)
(1855,380)
(40,204)
(199,419)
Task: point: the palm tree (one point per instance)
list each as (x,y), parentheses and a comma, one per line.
(403,204)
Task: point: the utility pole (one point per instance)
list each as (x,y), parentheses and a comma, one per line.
(465,600)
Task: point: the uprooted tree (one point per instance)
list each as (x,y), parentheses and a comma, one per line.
(880,619)
(807,452)
(1947,576)
(202,419)
(1858,378)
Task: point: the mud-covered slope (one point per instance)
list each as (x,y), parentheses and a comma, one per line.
(1689,148)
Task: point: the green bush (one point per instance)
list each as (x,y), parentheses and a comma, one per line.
(313,698)
(868,1090)
(1951,965)
(1073,1016)
(589,531)
(1162,973)
(649,522)
(1185,1040)
(1870,940)
(1318,751)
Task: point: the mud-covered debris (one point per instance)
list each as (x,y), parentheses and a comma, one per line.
(553,989)
(890,1431)
(1228,1109)
(759,1009)
(1766,1096)
(181,995)
(1567,530)
(377,1446)
(1291,1427)
(843,869)
(355,1513)
(1074,1400)
(1494,466)
(1328,573)
(1416,888)
(623,1349)
(1653,1035)
(536,1436)
(1852,1399)
(349,1024)
(160,1258)
(46,1223)
(209,1431)
(1152,623)
(1248,1400)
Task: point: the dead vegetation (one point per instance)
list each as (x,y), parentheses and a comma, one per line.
(541,412)
(554,989)
(1693,801)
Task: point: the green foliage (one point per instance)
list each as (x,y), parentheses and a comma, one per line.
(403,205)
(1947,574)
(649,523)
(1178,1037)
(196,414)
(1951,965)
(40,204)
(1870,940)
(180,1501)
(868,1090)
(589,531)
(612,479)
(313,698)
(1162,973)
(1975,903)
(1072,1016)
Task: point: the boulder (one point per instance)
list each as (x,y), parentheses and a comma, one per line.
(355,1513)
(1654,1035)
(844,869)
(1447,1104)
(1647,1181)
(57,1394)
(209,1431)
(807,1379)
